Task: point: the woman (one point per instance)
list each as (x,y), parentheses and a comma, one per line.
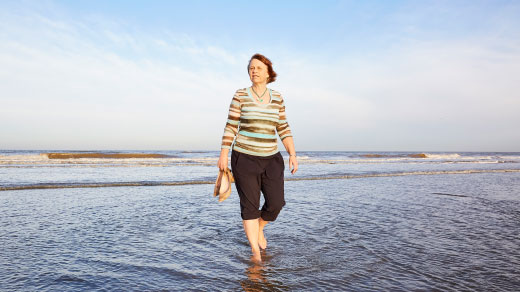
(255,114)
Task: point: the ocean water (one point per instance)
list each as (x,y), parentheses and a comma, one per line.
(354,221)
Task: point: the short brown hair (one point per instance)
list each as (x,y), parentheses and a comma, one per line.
(268,63)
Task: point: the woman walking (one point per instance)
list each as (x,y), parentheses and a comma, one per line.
(256,114)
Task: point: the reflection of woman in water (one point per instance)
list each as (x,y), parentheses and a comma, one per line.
(255,115)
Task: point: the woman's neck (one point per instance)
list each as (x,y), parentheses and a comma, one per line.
(259,87)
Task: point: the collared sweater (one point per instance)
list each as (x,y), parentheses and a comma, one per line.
(255,125)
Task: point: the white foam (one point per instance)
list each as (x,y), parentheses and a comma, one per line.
(448,158)
(443,156)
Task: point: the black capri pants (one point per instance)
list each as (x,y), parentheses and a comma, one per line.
(258,173)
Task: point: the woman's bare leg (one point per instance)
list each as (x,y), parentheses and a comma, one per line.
(262,242)
(251,228)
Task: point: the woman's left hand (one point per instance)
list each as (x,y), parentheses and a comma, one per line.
(293,163)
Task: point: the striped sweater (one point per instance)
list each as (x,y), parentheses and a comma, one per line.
(254,124)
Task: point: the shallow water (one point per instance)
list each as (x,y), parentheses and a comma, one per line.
(365,234)
(34,170)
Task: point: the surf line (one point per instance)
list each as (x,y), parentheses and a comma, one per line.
(451,195)
(390,174)
(201,182)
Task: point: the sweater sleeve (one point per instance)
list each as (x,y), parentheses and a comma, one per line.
(283,128)
(231,128)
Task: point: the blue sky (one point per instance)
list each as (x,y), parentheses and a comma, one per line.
(355,75)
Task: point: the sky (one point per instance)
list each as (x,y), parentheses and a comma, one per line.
(355,75)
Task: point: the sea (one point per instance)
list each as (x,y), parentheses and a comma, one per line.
(353,221)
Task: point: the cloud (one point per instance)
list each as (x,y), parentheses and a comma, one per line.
(114,89)
(421,95)
(96,83)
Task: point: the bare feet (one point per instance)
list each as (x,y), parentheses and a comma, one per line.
(262,242)
(256,257)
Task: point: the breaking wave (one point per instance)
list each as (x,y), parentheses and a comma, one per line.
(150,159)
(198,182)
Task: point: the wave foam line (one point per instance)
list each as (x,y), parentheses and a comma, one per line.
(200,182)
(102,155)
(100,185)
(405,174)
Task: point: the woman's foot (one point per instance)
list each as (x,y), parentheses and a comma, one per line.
(262,242)
(256,257)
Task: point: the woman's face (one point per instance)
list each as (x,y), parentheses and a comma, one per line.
(258,71)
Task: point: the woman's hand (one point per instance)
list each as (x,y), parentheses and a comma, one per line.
(293,163)
(288,143)
(223,160)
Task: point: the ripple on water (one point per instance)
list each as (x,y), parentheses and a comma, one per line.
(376,234)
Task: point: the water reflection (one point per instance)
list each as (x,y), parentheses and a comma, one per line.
(261,277)
(256,277)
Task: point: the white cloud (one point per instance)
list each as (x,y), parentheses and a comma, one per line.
(459,95)
(77,90)
(94,84)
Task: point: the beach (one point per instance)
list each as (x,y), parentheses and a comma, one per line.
(353,222)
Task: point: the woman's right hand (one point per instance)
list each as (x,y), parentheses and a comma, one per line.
(223,160)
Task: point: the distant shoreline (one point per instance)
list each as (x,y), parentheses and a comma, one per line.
(102,155)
